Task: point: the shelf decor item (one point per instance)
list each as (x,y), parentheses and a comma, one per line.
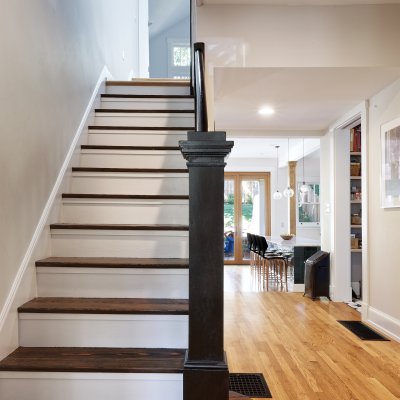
(287,236)
(390,167)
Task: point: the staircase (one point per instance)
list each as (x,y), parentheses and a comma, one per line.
(111,317)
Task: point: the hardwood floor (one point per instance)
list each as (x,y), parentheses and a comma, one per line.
(300,348)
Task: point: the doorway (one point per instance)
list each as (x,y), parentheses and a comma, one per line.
(247,208)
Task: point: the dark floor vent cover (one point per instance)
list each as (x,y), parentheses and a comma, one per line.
(250,385)
(362,331)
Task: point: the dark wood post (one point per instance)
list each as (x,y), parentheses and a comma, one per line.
(206,373)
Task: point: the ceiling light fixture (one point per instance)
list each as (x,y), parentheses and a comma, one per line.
(277,195)
(288,192)
(266,111)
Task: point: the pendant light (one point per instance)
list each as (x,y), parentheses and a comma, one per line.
(288,192)
(304,188)
(277,195)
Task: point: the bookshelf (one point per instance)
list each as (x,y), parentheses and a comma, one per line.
(356,207)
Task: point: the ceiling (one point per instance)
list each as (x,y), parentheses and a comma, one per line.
(164,14)
(298,2)
(305,99)
(266,148)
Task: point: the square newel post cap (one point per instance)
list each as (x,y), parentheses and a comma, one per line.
(206,149)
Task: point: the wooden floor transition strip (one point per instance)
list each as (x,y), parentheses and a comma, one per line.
(114,262)
(83,305)
(90,359)
(120,227)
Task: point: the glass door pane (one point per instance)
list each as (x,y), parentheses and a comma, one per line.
(252,211)
(229,219)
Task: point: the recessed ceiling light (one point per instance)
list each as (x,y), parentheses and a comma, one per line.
(266,111)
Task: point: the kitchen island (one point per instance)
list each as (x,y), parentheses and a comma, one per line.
(302,249)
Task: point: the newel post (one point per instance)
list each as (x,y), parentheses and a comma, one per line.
(206,373)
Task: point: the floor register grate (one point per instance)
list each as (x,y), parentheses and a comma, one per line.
(362,331)
(250,385)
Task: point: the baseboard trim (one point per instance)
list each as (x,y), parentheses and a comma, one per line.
(55,193)
(298,287)
(385,323)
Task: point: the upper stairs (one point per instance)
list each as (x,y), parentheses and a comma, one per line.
(110,320)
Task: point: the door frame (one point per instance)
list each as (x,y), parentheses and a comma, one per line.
(238,177)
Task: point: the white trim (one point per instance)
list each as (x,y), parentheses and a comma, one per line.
(388,325)
(298,288)
(105,74)
(90,376)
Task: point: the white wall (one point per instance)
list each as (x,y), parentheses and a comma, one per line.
(159,47)
(383,230)
(52,54)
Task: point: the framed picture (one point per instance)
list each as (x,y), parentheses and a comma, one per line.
(390,180)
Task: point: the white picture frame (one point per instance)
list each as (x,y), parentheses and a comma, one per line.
(390,164)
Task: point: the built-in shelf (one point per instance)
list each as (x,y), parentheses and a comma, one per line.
(356,250)
(355,153)
(355,201)
(355,177)
(355,226)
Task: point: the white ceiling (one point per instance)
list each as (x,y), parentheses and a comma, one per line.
(299,2)
(305,99)
(164,14)
(265,148)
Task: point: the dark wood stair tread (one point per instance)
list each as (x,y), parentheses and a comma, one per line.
(150,82)
(114,262)
(132,170)
(94,359)
(140,128)
(147,96)
(123,196)
(76,305)
(122,227)
(102,147)
(146,111)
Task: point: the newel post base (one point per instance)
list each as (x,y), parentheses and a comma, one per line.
(206,373)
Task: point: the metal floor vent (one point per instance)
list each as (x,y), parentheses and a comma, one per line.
(362,331)
(250,385)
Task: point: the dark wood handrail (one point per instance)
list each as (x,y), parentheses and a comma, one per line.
(200,88)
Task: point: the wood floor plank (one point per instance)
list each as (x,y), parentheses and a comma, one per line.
(299,346)
(113,262)
(78,305)
(90,359)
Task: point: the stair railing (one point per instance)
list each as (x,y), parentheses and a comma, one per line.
(200,88)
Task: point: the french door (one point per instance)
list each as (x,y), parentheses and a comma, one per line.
(247,208)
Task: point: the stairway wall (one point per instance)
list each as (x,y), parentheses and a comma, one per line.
(53,52)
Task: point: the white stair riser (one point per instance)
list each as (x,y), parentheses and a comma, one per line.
(152,90)
(126,212)
(140,244)
(141,184)
(112,282)
(155,120)
(89,386)
(147,104)
(108,138)
(132,159)
(80,330)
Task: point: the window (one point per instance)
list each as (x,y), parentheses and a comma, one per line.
(308,210)
(179,59)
